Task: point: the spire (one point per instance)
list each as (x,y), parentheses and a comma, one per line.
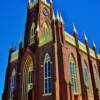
(50,1)
(29,1)
(94,44)
(45,1)
(61,19)
(20,39)
(37,29)
(58,15)
(54,16)
(85,37)
(74,29)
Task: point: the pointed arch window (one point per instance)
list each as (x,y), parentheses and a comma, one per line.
(73,74)
(96,75)
(27,76)
(33,29)
(86,78)
(47,75)
(32,33)
(30,75)
(46,28)
(29,66)
(12,83)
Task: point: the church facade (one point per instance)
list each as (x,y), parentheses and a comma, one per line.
(52,64)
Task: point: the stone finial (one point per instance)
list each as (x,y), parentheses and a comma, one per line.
(29,1)
(54,16)
(74,29)
(38,28)
(50,1)
(85,37)
(61,19)
(58,15)
(94,44)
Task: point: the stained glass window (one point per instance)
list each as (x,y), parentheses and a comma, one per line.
(46,28)
(32,33)
(96,75)
(73,75)
(12,84)
(86,78)
(27,76)
(47,75)
(30,74)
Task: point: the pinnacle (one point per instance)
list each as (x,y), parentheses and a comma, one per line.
(85,37)
(50,1)
(94,44)
(29,1)
(54,16)
(74,29)
(58,15)
(61,19)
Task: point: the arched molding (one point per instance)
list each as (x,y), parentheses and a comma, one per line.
(32,29)
(86,76)
(73,74)
(72,58)
(47,58)
(27,66)
(47,74)
(13,72)
(87,66)
(96,75)
(12,83)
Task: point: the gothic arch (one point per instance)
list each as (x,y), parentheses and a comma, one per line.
(33,29)
(46,27)
(85,62)
(47,74)
(46,23)
(86,76)
(27,86)
(72,58)
(32,33)
(96,75)
(13,72)
(12,83)
(73,74)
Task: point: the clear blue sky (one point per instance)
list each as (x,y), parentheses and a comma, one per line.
(84,13)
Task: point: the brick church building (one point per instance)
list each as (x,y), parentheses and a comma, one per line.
(52,64)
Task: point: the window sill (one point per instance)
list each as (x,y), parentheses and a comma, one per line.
(47,94)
